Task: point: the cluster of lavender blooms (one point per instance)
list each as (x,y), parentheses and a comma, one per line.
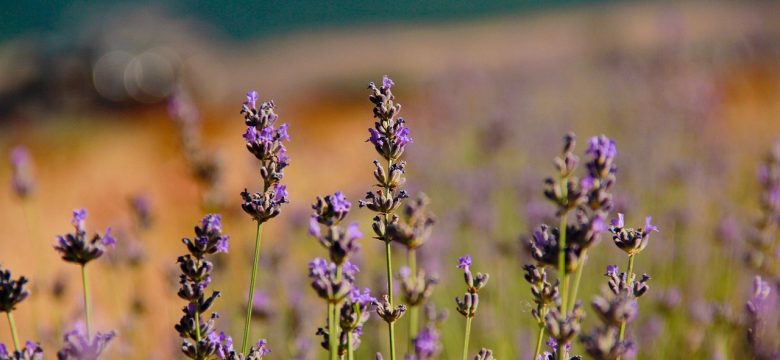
(565,247)
(468,305)
(763,247)
(206,166)
(22,181)
(200,338)
(334,280)
(265,142)
(13,292)
(389,136)
(763,257)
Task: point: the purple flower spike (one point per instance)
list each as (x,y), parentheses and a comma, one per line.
(262,348)
(375,138)
(650,227)
(251,99)
(619,222)
(402,137)
(280,193)
(212,223)
(464,262)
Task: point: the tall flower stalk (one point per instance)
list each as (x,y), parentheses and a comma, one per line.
(413,230)
(75,248)
(348,308)
(565,248)
(467,306)
(625,286)
(389,136)
(265,142)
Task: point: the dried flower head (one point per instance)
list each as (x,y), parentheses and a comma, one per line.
(415,225)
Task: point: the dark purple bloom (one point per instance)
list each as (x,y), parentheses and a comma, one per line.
(601,147)
(630,240)
(402,137)
(375,137)
(340,203)
(12,292)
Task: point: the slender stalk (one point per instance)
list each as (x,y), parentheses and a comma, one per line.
(412,309)
(87,311)
(253,278)
(562,272)
(577,278)
(539,341)
(350,350)
(391,326)
(197,326)
(12,324)
(628,276)
(466,339)
(332,336)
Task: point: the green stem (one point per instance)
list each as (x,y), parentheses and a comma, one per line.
(577,278)
(87,311)
(252,279)
(466,339)
(12,324)
(412,309)
(562,276)
(350,350)
(539,341)
(197,326)
(391,326)
(629,273)
(333,337)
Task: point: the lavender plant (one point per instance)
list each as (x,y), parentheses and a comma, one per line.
(566,247)
(617,312)
(348,308)
(200,338)
(75,248)
(13,292)
(412,230)
(265,142)
(470,302)
(389,136)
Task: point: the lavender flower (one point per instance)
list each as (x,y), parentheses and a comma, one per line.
(544,293)
(326,281)
(329,212)
(75,248)
(762,321)
(22,181)
(200,340)
(415,225)
(12,292)
(416,288)
(80,346)
(629,240)
(484,354)
(265,142)
(552,345)
(427,344)
(470,302)
(31,351)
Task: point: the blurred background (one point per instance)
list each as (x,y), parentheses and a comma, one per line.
(690,91)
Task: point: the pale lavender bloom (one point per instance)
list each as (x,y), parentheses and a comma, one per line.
(282,134)
(402,137)
(79,216)
(340,203)
(464,262)
(22,181)
(353,232)
(375,137)
(107,239)
(387,82)
(280,193)
(602,147)
(251,99)
(314,227)
(650,227)
(78,346)
(619,222)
